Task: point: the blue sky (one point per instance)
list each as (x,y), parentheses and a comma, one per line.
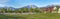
(21,3)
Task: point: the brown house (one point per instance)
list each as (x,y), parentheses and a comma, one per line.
(48,9)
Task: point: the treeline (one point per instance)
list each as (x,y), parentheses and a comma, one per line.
(20,10)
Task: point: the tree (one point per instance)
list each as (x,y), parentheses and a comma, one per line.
(57,8)
(25,10)
(37,10)
(9,11)
(3,10)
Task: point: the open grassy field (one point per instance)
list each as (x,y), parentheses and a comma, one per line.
(31,16)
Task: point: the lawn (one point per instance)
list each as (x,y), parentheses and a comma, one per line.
(31,16)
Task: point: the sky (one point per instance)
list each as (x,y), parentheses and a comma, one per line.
(21,3)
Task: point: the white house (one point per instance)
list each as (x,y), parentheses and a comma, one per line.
(56,11)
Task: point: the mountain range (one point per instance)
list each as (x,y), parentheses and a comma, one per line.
(30,6)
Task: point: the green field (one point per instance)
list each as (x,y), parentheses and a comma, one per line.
(31,16)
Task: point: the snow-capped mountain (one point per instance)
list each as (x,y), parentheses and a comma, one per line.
(30,6)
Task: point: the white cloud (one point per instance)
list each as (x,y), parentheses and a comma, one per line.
(56,3)
(1,5)
(4,1)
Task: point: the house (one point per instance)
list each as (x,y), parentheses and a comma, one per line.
(54,9)
(57,8)
(48,9)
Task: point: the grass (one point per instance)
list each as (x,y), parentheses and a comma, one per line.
(31,16)
(10,17)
